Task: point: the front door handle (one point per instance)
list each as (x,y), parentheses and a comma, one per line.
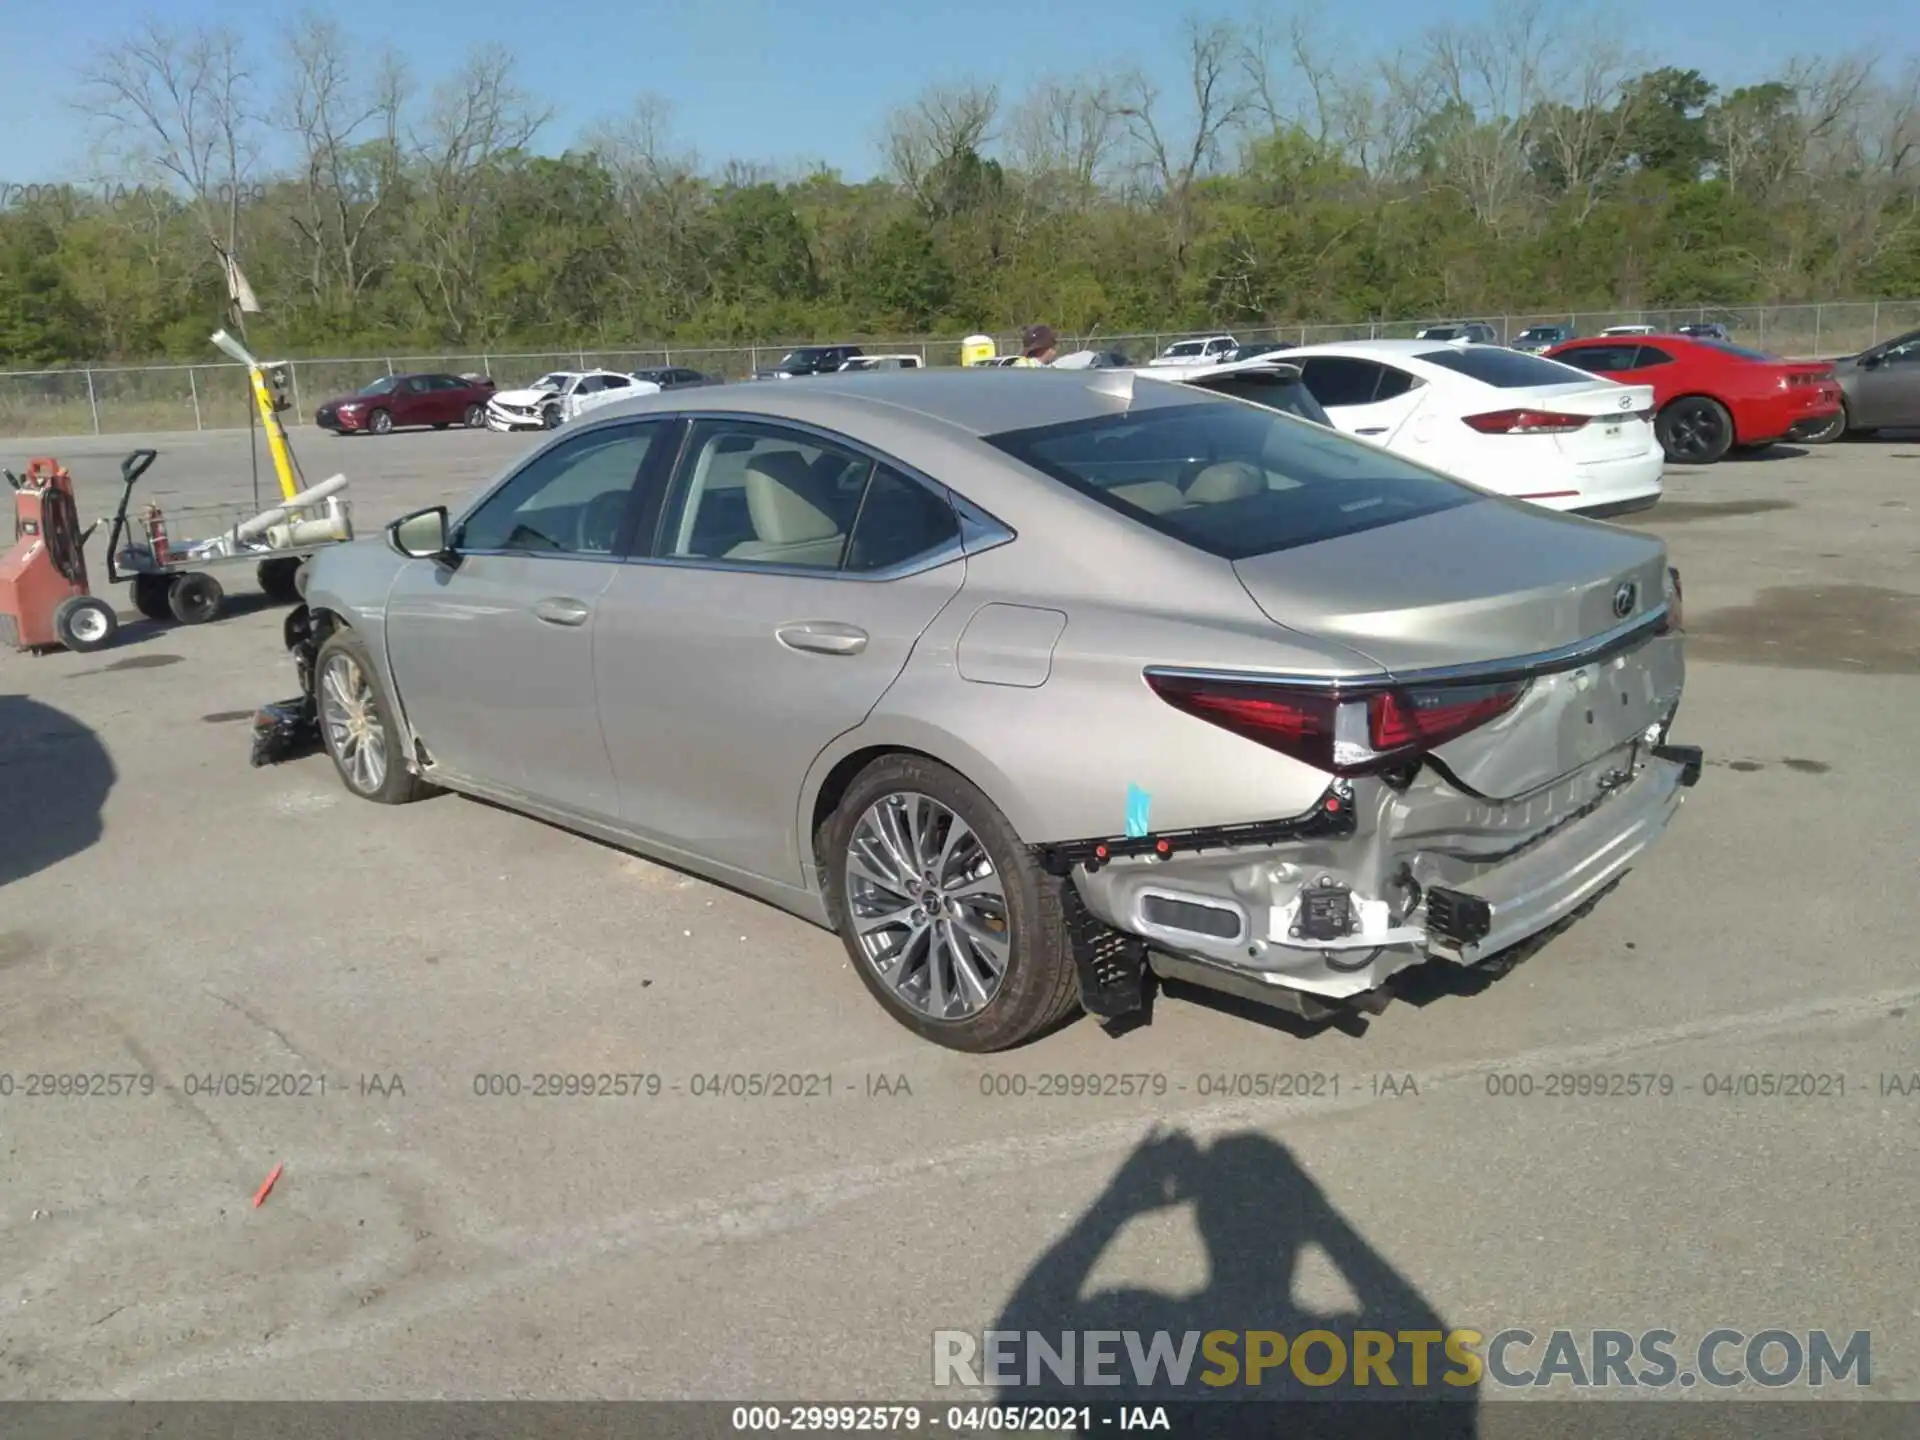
(823,637)
(1372,430)
(558,610)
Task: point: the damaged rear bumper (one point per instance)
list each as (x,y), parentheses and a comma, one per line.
(1318,922)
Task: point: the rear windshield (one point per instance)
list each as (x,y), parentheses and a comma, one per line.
(1728,348)
(1503,369)
(1276,392)
(1187,347)
(1233,480)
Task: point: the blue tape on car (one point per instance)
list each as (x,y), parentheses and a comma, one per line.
(1138,804)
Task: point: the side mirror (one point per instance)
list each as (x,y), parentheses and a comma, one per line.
(421,535)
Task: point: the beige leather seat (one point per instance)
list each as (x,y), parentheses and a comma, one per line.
(792,512)
(1229,480)
(1156,497)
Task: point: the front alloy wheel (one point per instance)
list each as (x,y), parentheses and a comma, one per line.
(928,906)
(350,718)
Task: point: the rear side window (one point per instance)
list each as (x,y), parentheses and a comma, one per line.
(1649,355)
(1338,380)
(899,520)
(1233,480)
(1502,369)
(1601,359)
(1726,348)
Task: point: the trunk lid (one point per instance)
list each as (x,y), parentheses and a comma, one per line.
(1619,417)
(1482,584)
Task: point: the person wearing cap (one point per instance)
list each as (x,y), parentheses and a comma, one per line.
(1038,345)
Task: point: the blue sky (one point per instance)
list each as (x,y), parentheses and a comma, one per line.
(790,81)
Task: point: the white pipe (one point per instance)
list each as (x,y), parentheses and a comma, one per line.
(260,523)
(304,532)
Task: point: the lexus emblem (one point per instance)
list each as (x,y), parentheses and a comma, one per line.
(1623,599)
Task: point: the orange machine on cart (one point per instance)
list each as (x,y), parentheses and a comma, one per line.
(44,597)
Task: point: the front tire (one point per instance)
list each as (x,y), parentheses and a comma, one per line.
(84,623)
(1695,430)
(946,918)
(359,725)
(550,417)
(380,422)
(476,416)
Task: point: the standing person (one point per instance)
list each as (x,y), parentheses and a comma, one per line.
(1038,345)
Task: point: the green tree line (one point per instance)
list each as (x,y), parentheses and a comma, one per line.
(1527,163)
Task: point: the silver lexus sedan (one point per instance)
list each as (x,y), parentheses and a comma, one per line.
(1033,685)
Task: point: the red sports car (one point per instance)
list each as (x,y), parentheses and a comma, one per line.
(1711,395)
(396,400)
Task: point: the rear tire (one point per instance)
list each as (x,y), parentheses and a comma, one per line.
(1694,430)
(359,725)
(994,897)
(84,623)
(150,596)
(276,579)
(195,599)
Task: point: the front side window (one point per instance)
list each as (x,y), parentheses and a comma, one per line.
(1233,480)
(1184,348)
(569,499)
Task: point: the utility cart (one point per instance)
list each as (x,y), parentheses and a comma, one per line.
(166,556)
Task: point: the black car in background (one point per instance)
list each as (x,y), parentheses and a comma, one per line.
(1536,339)
(810,360)
(676,377)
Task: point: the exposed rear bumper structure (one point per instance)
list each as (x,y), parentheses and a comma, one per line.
(1317,922)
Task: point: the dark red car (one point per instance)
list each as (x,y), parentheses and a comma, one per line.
(1711,395)
(394,401)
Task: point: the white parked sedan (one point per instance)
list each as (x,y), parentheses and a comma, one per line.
(563,395)
(1515,424)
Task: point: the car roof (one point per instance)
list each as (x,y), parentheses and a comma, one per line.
(978,400)
(1263,363)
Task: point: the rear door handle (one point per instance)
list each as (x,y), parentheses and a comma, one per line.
(558,610)
(823,637)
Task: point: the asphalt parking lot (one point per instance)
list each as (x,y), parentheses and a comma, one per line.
(168,912)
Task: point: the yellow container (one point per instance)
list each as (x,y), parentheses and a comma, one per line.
(976,348)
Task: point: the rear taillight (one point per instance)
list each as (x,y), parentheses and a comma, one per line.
(1345,732)
(1526,422)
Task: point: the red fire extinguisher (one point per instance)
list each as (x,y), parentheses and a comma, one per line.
(157,534)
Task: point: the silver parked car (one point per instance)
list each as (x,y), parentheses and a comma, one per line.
(1031,685)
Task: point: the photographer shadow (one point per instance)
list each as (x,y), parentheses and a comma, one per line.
(1257,1212)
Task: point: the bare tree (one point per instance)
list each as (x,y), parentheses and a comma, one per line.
(945,123)
(348,128)
(476,118)
(177,109)
(1489,81)
(1172,161)
(1064,132)
(1583,121)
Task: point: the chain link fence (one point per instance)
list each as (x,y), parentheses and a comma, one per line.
(102,400)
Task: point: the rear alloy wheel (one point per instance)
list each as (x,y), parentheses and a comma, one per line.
(356,724)
(1695,431)
(476,416)
(948,920)
(380,422)
(1825,433)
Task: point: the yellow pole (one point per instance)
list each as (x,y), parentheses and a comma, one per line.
(276,434)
